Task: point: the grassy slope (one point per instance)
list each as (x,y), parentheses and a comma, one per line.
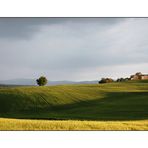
(114,101)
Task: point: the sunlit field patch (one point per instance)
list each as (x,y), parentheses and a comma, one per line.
(20,124)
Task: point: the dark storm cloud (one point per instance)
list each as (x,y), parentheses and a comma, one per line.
(27,27)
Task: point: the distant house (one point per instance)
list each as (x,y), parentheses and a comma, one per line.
(139,76)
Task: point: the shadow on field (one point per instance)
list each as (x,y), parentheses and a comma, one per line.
(114,106)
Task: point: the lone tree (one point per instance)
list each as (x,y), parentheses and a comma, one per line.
(42,81)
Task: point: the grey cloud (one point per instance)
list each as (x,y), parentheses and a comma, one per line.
(27,27)
(71,48)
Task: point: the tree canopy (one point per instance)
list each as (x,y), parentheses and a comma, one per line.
(42,81)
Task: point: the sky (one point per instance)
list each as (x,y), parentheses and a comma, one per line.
(73,48)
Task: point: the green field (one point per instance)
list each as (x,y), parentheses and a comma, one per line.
(96,106)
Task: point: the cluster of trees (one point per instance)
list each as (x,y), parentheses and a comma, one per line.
(106,80)
(109,80)
(122,79)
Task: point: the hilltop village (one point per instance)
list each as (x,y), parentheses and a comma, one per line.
(137,76)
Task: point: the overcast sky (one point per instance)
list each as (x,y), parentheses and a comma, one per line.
(73,48)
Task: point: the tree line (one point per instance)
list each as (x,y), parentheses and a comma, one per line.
(109,80)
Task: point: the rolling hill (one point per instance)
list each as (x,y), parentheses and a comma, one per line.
(112,101)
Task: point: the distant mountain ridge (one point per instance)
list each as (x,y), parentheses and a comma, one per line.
(33,82)
(19,82)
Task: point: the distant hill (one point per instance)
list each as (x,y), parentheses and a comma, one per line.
(71,82)
(33,82)
(18,82)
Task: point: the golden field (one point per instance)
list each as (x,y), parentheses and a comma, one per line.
(21,124)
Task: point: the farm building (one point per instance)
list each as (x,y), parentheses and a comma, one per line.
(139,76)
